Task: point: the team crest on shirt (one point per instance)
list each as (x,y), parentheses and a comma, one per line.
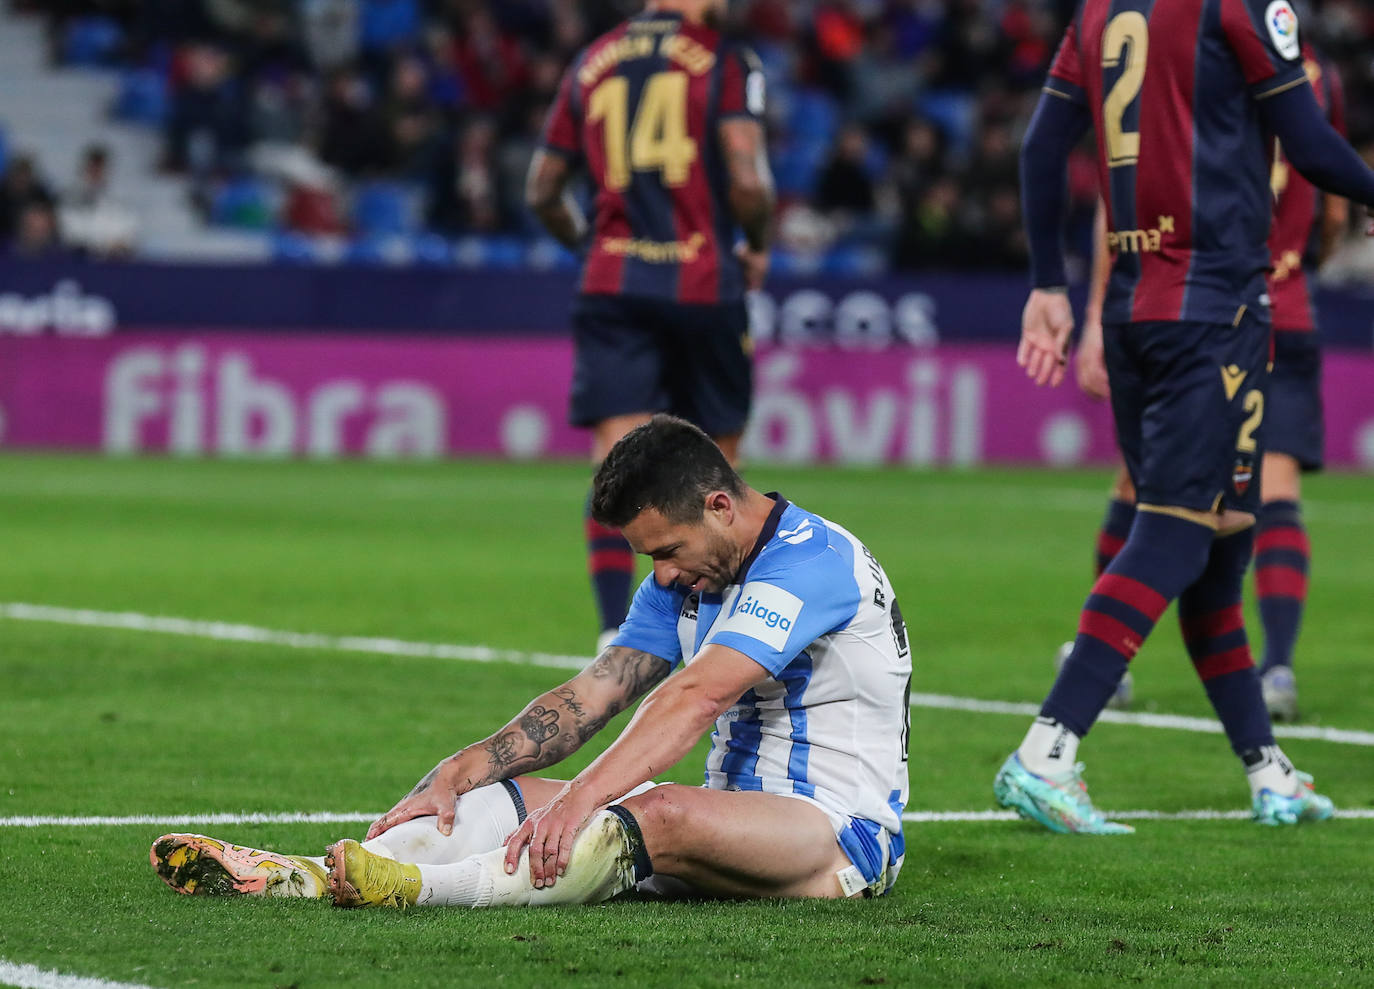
(1241,475)
(1282,22)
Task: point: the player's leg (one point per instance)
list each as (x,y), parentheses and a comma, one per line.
(1282,560)
(741,843)
(730,843)
(709,373)
(1111,536)
(484,819)
(616,386)
(1294,443)
(1166,550)
(1116,524)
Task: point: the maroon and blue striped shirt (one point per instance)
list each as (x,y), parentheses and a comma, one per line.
(640,106)
(1183,160)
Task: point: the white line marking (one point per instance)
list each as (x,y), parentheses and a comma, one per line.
(191,820)
(982,816)
(227,632)
(352,817)
(230,632)
(1142,719)
(32,977)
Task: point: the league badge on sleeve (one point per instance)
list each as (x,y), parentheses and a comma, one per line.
(1282,23)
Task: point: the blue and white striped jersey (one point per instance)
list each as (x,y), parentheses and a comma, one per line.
(813,607)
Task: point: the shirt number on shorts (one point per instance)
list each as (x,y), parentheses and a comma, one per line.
(1253,404)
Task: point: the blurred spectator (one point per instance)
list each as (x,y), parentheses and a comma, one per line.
(331,32)
(21,187)
(35,234)
(464,193)
(844,186)
(353,135)
(886,115)
(207,128)
(90,219)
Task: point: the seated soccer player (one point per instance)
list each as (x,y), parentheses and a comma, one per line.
(790,644)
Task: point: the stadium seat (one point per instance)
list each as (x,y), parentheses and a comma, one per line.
(388,23)
(93,42)
(383,208)
(246,203)
(142,97)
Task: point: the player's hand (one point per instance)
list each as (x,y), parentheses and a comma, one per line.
(550,832)
(1090,363)
(1046,325)
(434,796)
(755,265)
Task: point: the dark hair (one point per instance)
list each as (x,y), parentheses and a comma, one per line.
(668,465)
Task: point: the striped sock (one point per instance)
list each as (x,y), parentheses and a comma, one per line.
(1209,613)
(611,563)
(1282,557)
(1162,556)
(1116,526)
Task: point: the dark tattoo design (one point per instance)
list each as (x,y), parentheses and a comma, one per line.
(637,672)
(567,697)
(540,724)
(541,735)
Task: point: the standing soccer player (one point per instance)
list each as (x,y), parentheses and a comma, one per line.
(666,116)
(1306,225)
(1182,95)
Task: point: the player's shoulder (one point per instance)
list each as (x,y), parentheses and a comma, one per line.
(805,544)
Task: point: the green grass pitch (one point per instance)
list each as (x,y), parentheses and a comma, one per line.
(991,568)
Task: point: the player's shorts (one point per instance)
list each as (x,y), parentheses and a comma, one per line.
(1190,409)
(1294,406)
(641,354)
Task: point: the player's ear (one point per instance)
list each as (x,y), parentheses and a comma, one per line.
(721,505)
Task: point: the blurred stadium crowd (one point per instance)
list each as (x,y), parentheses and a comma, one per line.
(894,124)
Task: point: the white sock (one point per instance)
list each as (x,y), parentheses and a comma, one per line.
(598,869)
(1049,748)
(1267,768)
(485,818)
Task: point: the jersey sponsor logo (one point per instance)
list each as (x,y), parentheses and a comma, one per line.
(656,251)
(798,535)
(765,612)
(1282,23)
(1140,241)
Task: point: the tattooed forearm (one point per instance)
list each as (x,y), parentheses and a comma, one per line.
(556,724)
(635,672)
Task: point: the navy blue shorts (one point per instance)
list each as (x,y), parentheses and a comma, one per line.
(1294,411)
(1189,402)
(638,354)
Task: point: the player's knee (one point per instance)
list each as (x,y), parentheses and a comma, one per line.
(661,813)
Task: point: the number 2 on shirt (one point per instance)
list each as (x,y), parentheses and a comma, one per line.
(1125,42)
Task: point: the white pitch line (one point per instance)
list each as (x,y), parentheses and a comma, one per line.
(983,816)
(32,977)
(1144,719)
(352,817)
(231,632)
